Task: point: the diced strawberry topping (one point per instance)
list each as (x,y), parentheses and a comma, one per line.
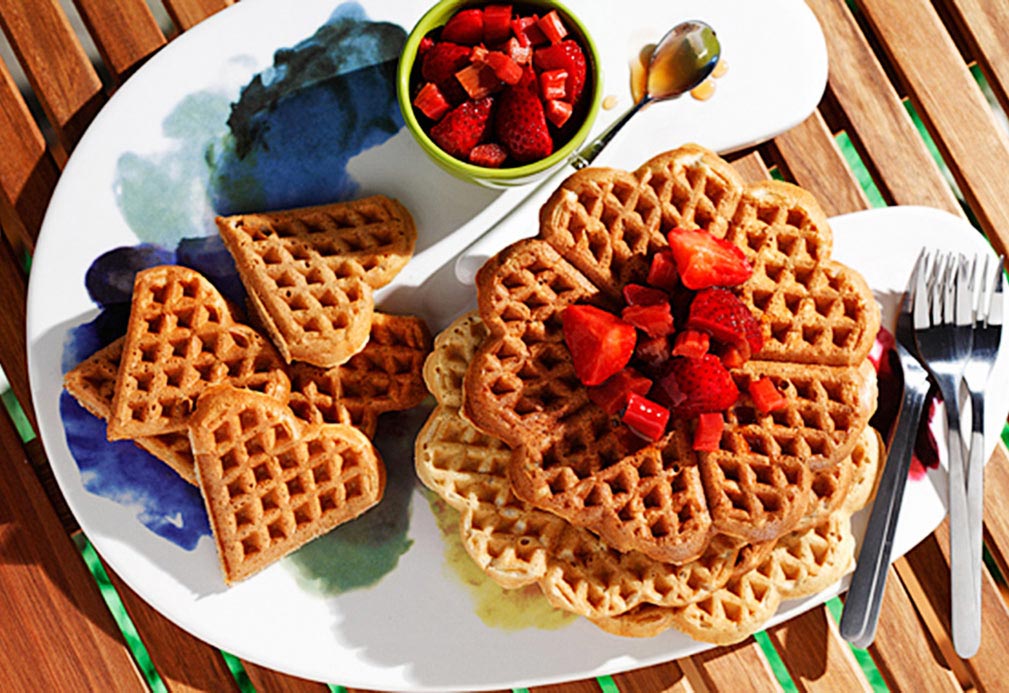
(478,79)
(703,260)
(465,26)
(662,270)
(720,313)
(497,24)
(708,431)
(506,69)
(766,397)
(612,395)
(646,418)
(553,84)
(655,320)
(600,343)
(521,125)
(552,26)
(491,155)
(431,102)
(695,385)
(558,112)
(464,127)
(526,29)
(691,343)
(641,295)
(439,65)
(426,44)
(566,55)
(517,52)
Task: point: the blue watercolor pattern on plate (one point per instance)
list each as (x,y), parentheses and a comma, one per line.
(285,142)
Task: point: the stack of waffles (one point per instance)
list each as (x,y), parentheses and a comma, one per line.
(274,430)
(641,536)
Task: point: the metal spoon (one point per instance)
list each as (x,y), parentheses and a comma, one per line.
(680,61)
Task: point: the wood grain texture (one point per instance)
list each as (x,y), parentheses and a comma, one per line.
(13,356)
(726,668)
(661,678)
(27,172)
(879,124)
(264,679)
(57,633)
(951,104)
(188,13)
(60,73)
(816,656)
(996,519)
(124,31)
(186,665)
(983,25)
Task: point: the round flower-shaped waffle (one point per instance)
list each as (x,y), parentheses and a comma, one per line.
(570,458)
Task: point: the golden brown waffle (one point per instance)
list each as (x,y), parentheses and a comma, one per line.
(92,383)
(310,272)
(662,499)
(384,376)
(181,339)
(270,482)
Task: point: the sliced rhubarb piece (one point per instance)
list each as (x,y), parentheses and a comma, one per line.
(766,397)
(708,431)
(721,313)
(732,357)
(641,295)
(646,418)
(489,155)
(600,343)
(527,29)
(465,26)
(662,272)
(695,385)
(497,23)
(431,102)
(479,80)
(552,27)
(521,54)
(506,69)
(653,352)
(702,260)
(558,112)
(553,84)
(692,343)
(612,395)
(655,320)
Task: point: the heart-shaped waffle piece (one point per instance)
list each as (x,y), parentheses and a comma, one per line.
(570,458)
(181,338)
(270,482)
(310,272)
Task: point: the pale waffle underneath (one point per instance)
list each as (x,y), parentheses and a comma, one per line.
(385,376)
(596,232)
(92,383)
(181,339)
(310,272)
(272,483)
(624,593)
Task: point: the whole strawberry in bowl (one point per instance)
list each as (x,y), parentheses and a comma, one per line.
(498,93)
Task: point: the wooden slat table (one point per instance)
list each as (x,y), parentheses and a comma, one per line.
(891,61)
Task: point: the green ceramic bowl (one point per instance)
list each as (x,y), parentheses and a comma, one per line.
(496,177)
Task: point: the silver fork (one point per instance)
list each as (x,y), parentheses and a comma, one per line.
(865,596)
(988,286)
(943,329)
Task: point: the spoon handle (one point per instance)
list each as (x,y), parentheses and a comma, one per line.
(585,156)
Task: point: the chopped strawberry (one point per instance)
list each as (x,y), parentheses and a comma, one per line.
(489,155)
(662,272)
(691,343)
(703,260)
(426,44)
(766,397)
(528,31)
(506,69)
(612,395)
(566,55)
(439,65)
(521,125)
(695,385)
(522,55)
(552,26)
(478,54)
(646,418)
(708,431)
(655,320)
(497,23)
(720,313)
(600,343)
(479,80)
(641,295)
(553,84)
(464,127)
(558,112)
(431,102)
(465,26)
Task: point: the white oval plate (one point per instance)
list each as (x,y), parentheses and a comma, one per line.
(158,163)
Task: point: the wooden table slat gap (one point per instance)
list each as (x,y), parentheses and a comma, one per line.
(125,32)
(983,24)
